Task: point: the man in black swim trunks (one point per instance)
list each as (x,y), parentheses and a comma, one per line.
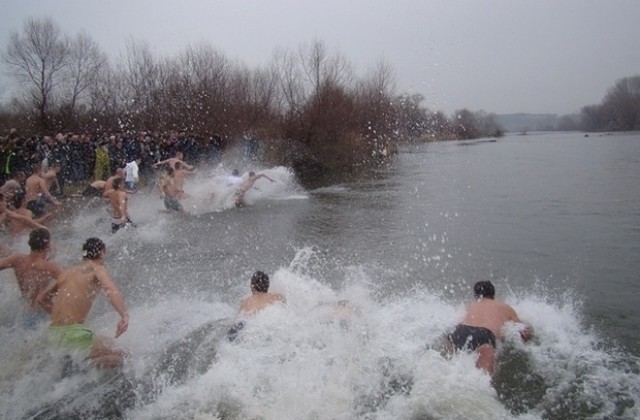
(482,325)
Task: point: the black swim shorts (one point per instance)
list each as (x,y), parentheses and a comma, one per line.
(470,338)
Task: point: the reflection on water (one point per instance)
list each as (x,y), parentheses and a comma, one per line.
(402,245)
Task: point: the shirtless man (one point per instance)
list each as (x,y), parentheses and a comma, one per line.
(171,162)
(119,206)
(169,192)
(179,173)
(34,273)
(245,186)
(9,215)
(17,227)
(70,299)
(37,193)
(260,298)
(482,325)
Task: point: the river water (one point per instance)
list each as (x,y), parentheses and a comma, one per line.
(553,220)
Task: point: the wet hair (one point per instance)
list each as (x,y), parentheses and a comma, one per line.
(235,172)
(117,183)
(260,282)
(252,173)
(39,239)
(92,248)
(484,289)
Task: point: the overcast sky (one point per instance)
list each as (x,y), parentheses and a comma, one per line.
(502,56)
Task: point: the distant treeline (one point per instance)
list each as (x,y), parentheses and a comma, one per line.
(618,111)
(306,105)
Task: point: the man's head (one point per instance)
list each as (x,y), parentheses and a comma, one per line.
(260,282)
(117,183)
(93,249)
(235,172)
(484,289)
(20,176)
(39,239)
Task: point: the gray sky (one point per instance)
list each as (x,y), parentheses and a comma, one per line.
(502,56)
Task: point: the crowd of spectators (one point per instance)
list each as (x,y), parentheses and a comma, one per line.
(91,157)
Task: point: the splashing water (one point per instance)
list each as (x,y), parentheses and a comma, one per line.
(342,347)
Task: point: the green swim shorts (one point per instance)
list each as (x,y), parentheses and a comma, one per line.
(72,336)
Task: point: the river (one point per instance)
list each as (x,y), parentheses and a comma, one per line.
(552,219)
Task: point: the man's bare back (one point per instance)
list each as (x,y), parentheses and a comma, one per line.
(258,301)
(491,314)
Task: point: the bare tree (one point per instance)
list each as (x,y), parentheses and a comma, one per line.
(84,65)
(36,58)
(141,76)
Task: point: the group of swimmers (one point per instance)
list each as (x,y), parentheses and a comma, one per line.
(170,188)
(66,296)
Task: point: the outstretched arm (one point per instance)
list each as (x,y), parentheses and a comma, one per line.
(264,176)
(24,220)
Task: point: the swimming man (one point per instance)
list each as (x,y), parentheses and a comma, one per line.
(260,298)
(482,326)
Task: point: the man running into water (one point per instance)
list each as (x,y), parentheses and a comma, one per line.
(482,325)
(34,273)
(245,186)
(119,206)
(70,299)
(37,193)
(260,298)
(169,191)
(179,174)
